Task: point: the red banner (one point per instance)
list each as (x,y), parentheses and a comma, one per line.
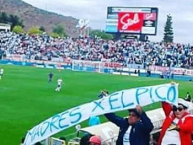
(130,21)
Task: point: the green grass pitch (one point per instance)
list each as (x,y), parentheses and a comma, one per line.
(26,98)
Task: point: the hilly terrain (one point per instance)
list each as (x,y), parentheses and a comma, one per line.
(33,16)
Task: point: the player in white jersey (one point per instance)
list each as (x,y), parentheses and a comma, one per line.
(1,73)
(59,85)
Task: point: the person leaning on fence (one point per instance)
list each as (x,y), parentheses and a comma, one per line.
(134,130)
(178,125)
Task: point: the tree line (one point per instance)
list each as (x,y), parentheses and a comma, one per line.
(13,20)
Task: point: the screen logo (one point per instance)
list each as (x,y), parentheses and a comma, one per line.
(130,22)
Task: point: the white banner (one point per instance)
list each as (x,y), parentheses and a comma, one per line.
(117,101)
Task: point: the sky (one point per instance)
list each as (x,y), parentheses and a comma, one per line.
(96,11)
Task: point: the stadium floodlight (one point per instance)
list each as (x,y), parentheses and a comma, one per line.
(83,25)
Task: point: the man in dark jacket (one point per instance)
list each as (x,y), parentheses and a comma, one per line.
(134,130)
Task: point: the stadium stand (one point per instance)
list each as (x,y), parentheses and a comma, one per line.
(44,47)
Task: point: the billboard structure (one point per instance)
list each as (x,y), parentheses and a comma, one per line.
(132,20)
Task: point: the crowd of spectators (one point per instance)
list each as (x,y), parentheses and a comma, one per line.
(44,47)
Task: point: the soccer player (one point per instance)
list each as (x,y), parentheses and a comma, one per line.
(104,93)
(1,73)
(50,76)
(59,85)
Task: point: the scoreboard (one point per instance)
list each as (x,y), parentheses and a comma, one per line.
(132,20)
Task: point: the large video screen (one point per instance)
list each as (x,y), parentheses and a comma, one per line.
(132,20)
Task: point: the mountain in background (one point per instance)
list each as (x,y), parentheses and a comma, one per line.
(33,16)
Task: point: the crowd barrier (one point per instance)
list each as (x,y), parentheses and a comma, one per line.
(105,67)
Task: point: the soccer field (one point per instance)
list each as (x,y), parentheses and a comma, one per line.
(26,97)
